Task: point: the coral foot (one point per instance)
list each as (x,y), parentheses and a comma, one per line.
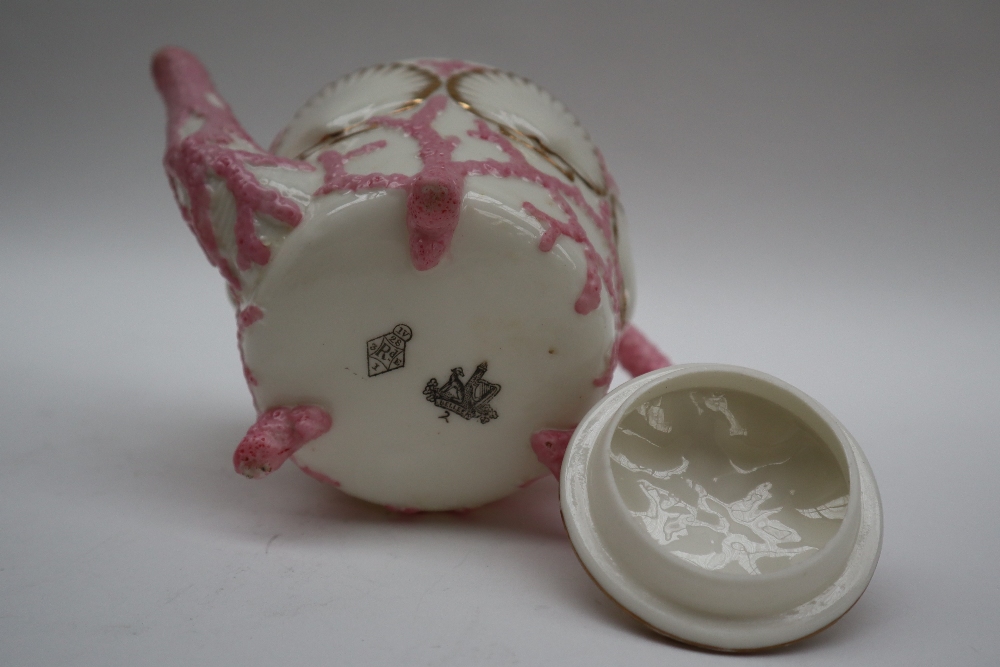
(638,355)
(278,434)
(550,447)
(432,210)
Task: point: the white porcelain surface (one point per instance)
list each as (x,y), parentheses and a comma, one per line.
(345,276)
(722,506)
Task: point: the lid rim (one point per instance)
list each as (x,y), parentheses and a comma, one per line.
(675,619)
(831,557)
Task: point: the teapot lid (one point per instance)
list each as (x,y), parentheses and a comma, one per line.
(722,507)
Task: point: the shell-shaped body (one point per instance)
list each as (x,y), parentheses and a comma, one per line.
(457,281)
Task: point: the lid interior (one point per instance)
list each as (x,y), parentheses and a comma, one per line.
(611,480)
(727,480)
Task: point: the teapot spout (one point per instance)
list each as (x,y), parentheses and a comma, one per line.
(223,181)
(191,100)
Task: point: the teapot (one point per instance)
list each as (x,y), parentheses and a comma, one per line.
(430,272)
(433,287)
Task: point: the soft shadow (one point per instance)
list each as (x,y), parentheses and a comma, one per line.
(176,465)
(857,625)
(175,468)
(178,470)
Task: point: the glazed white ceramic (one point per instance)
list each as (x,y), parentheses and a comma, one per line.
(348,313)
(722,506)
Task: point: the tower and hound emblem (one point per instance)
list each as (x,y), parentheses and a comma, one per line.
(387,352)
(469,400)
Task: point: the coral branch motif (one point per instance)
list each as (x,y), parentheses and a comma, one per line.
(209,154)
(276,435)
(434,197)
(549,446)
(215,168)
(446,68)
(206,144)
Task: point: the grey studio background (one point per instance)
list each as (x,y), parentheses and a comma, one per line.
(813,192)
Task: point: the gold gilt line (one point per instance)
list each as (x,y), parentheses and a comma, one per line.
(433,83)
(623,296)
(531,142)
(327,140)
(528,140)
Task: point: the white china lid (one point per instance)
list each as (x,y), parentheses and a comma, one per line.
(722,507)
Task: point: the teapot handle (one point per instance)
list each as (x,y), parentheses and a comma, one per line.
(636,354)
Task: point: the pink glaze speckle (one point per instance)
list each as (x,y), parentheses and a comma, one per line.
(434,195)
(434,201)
(550,447)
(277,434)
(638,354)
(218,146)
(315,474)
(445,68)
(248,316)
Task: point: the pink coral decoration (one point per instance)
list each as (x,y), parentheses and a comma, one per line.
(550,447)
(207,145)
(277,434)
(203,139)
(637,355)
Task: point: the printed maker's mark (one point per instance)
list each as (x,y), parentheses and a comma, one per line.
(387,352)
(469,400)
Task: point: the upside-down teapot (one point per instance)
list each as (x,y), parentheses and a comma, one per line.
(430,269)
(433,288)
